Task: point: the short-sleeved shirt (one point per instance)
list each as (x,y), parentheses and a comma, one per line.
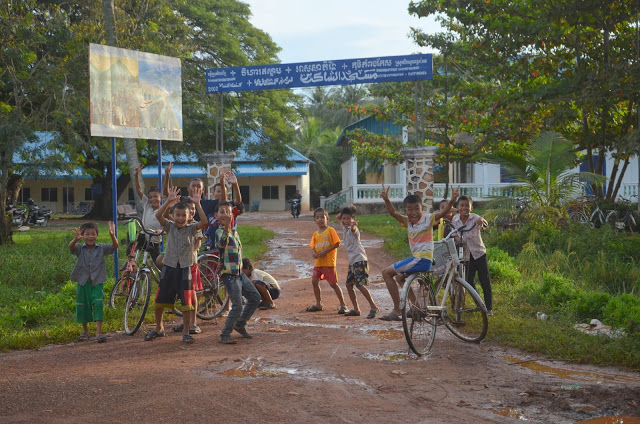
(179,246)
(214,224)
(231,248)
(421,236)
(265,277)
(149,219)
(322,241)
(353,246)
(91,264)
(472,240)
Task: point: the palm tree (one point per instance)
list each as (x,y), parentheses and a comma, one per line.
(319,146)
(547,177)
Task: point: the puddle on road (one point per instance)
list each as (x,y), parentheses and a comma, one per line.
(509,413)
(258,368)
(612,419)
(387,357)
(387,334)
(567,374)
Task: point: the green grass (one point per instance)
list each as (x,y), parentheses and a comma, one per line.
(37,300)
(571,274)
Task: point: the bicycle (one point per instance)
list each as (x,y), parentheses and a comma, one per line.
(628,220)
(454,301)
(597,218)
(132,291)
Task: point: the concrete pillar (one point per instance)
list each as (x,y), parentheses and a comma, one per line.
(217,164)
(419,173)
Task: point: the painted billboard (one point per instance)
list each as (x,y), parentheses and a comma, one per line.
(134,94)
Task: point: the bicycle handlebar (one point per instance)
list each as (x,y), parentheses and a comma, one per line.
(142,227)
(459,230)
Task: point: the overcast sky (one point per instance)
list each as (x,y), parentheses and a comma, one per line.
(311,30)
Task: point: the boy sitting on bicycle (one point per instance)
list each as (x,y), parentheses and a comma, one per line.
(175,280)
(420,232)
(150,204)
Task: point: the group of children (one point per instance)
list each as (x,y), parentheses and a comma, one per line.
(420,231)
(182,219)
(189,216)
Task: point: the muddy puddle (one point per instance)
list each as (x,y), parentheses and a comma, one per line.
(568,374)
(612,419)
(389,357)
(259,368)
(390,334)
(509,413)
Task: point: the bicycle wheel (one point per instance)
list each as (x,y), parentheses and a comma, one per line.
(418,322)
(120,291)
(578,217)
(214,297)
(137,304)
(465,314)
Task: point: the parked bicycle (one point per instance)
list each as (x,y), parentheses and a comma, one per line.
(132,291)
(454,302)
(596,219)
(625,221)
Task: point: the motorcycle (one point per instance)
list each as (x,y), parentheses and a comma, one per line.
(295,207)
(37,215)
(18,216)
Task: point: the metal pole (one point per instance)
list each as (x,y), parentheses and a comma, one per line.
(160,183)
(114,201)
(221,123)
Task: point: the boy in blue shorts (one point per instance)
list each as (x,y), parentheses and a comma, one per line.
(90,273)
(420,231)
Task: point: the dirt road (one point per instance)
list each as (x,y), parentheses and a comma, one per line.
(305,367)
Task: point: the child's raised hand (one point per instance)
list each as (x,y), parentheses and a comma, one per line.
(138,169)
(77,234)
(384,193)
(455,194)
(197,194)
(174,194)
(231,178)
(354,226)
(112,228)
(168,168)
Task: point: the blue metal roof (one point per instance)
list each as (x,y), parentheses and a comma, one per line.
(241,170)
(373,125)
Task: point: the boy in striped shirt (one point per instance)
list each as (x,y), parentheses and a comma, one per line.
(420,231)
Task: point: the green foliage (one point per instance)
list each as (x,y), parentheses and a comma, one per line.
(502,267)
(623,311)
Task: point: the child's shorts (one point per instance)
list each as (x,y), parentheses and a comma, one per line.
(195,277)
(175,283)
(413,264)
(326,273)
(89,303)
(273,291)
(358,274)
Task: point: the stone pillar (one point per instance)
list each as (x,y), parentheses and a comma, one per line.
(217,164)
(419,173)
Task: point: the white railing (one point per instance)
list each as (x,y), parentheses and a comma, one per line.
(629,189)
(361,193)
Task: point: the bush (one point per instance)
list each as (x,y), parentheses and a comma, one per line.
(502,267)
(590,305)
(555,291)
(623,311)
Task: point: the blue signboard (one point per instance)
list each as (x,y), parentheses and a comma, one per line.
(327,72)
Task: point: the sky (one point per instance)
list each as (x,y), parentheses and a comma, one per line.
(313,30)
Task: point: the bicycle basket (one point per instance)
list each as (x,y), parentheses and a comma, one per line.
(441,255)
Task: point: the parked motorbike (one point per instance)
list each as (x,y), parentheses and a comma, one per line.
(37,215)
(18,216)
(295,207)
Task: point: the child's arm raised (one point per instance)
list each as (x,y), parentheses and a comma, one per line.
(233,180)
(197,195)
(172,200)
(136,173)
(112,233)
(392,211)
(167,179)
(443,212)
(77,235)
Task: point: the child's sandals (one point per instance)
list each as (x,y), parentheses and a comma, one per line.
(187,338)
(83,337)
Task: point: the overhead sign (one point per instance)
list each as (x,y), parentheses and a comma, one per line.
(327,72)
(134,94)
